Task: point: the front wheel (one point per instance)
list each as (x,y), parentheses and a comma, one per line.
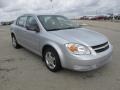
(52,60)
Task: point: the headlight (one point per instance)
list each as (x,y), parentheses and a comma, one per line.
(77,49)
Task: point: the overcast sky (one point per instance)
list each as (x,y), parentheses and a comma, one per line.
(10,9)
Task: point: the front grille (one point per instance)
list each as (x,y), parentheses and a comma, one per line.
(100,48)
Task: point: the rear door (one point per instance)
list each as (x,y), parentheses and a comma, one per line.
(20,28)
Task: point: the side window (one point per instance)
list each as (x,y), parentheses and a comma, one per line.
(31,23)
(21,21)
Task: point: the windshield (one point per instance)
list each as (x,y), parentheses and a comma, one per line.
(56,22)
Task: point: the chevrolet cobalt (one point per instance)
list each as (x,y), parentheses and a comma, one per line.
(61,42)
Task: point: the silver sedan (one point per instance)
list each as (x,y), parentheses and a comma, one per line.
(61,42)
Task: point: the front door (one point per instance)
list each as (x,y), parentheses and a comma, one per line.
(31,35)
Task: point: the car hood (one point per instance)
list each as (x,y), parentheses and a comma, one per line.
(82,36)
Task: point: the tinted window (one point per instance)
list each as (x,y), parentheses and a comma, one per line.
(21,21)
(31,22)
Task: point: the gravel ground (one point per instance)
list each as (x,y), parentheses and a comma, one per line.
(23,70)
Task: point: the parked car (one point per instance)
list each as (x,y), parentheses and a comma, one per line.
(3,23)
(84,18)
(61,42)
(99,18)
(7,23)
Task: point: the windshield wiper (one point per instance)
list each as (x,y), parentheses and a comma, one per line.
(70,28)
(54,29)
(62,28)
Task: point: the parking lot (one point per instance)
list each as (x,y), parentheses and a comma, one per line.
(22,70)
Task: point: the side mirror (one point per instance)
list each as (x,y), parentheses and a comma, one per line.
(33,28)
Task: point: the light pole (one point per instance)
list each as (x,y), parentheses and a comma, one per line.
(113,14)
(51,3)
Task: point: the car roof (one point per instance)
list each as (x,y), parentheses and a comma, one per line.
(39,14)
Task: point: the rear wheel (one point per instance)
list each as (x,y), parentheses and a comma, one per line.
(15,43)
(52,60)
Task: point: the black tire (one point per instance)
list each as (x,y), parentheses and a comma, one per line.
(57,59)
(15,43)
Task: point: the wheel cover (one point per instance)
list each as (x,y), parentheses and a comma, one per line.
(50,60)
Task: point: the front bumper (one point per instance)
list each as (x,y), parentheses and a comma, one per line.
(102,61)
(86,62)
